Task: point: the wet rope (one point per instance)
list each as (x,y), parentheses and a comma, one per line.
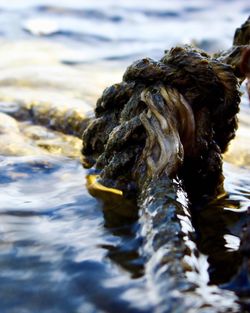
(168,118)
(165,116)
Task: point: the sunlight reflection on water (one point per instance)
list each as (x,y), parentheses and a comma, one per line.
(61,249)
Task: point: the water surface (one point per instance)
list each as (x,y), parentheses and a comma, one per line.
(63,250)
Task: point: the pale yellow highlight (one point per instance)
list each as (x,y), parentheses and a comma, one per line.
(93,184)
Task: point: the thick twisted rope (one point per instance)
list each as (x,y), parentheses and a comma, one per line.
(165,117)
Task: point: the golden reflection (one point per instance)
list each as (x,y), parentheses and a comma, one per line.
(38,73)
(114,204)
(98,190)
(36,80)
(238,152)
(23,138)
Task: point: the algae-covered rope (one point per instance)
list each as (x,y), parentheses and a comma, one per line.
(174,270)
(167,119)
(167,122)
(183,105)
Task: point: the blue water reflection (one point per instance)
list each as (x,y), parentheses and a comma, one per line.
(54,243)
(62,250)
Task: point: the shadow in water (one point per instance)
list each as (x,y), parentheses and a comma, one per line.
(218,227)
(120,218)
(218,230)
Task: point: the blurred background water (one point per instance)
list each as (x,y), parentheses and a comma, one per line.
(62,250)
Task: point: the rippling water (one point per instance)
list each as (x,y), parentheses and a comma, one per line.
(55,242)
(63,250)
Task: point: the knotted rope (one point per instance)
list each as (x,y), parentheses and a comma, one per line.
(173,116)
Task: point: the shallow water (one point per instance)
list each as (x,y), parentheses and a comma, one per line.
(63,250)
(55,242)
